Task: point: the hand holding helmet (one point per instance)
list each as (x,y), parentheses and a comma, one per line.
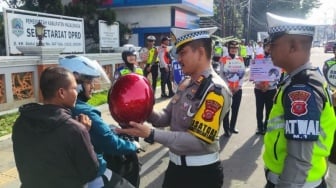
(131,98)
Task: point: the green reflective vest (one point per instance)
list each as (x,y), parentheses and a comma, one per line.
(276,144)
(218,51)
(242,51)
(126,70)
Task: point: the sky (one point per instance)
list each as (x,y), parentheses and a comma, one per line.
(325,14)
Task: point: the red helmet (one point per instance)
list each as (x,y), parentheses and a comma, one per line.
(131,98)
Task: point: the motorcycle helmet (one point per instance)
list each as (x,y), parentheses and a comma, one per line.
(84,69)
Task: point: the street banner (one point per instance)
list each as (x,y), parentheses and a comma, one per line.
(60,31)
(263,70)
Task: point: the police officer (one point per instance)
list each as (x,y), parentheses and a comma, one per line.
(152,61)
(302,121)
(129,66)
(328,66)
(194,116)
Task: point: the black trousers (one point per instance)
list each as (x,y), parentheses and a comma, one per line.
(155,72)
(165,80)
(209,176)
(264,101)
(230,123)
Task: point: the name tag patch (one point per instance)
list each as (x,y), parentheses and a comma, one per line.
(302,129)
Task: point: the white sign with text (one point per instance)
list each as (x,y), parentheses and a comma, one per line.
(60,31)
(108,35)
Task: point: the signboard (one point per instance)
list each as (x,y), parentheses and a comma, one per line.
(185,20)
(331,74)
(177,72)
(60,31)
(108,35)
(264,70)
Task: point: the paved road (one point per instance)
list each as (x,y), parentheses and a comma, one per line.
(240,154)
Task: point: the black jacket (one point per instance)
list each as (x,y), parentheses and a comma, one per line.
(51,149)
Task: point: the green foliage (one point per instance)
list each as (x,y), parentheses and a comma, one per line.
(6,123)
(98,98)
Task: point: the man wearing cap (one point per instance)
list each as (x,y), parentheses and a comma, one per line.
(194,116)
(329,72)
(232,70)
(302,121)
(165,68)
(152,61)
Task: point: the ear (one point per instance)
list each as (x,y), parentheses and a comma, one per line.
(293,45)
(201,51)
(61,93)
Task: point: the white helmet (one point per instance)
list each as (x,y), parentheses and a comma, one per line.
(151,37)
(84,67)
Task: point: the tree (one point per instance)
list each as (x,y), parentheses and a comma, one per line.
(288,8)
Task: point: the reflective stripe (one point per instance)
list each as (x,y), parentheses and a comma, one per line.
(277,122)
(274,178)
(196,160)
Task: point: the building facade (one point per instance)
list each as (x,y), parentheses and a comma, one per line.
(156,17)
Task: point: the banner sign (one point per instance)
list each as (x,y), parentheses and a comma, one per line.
(108,35)
(264,70)
(59,32)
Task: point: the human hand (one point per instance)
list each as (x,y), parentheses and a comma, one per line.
(85,120)
(135,129)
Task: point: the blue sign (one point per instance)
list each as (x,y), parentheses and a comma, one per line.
(177,72)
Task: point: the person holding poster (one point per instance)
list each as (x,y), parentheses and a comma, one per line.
(232,71)
(264,91)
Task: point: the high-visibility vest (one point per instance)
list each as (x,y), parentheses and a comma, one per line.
(152,56)
(276,143)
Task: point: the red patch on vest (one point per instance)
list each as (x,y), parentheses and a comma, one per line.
(211,107)
(299,100)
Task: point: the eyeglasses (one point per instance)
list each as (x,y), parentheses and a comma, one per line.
(151,41)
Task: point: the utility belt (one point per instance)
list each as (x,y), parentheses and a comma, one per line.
(196,160)
(274,179)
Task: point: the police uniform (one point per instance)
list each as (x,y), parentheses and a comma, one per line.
(329,71)
(194,115)
(302,121)
(152,62)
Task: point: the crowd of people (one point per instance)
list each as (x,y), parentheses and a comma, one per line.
(64,142)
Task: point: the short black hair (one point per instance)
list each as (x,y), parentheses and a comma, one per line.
(52,79)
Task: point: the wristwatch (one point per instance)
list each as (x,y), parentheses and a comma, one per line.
(150,138)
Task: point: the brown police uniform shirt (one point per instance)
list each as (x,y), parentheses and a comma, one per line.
(179,115)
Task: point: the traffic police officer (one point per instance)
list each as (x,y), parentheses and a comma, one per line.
(152,61)
(329,71)
(129,58)
(302,121)
(194,116)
